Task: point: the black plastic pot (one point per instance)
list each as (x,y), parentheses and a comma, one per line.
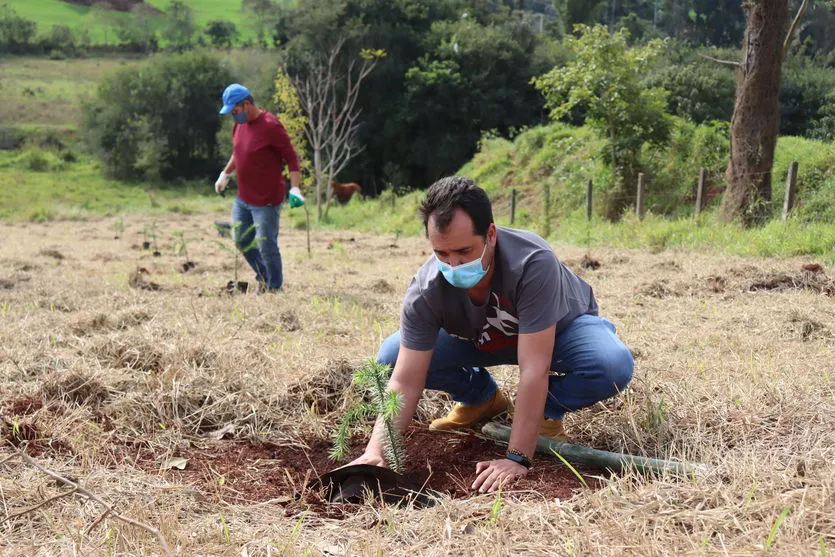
(351,484)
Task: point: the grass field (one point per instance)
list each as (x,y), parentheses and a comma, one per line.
(42,93)
(108,371)
(47,13)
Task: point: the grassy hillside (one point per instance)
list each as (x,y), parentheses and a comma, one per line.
(550,166)
(50,92)
(47,13)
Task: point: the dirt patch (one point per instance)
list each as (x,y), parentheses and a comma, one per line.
(118,5)
(24,406)
(658,289)
(382,286)
(806,328)
(76,389)
(53,253)
(242,472)
(289,322)
(589,263)
(810,277)
(137,280)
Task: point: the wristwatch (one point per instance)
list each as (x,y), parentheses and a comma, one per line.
(518,457)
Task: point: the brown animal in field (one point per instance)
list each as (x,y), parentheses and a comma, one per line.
(344,191)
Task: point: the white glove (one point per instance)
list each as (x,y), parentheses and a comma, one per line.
(222,181)
(296,198)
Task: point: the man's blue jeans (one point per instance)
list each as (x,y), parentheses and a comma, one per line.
(591,363)
(265,258)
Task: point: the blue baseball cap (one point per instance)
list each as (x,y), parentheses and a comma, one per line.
(233,94)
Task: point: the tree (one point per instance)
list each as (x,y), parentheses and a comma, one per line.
(259,12)
(16,33)
(328,96)
(579,12)
(604,79)
(221,33)
(159,122)
(179,26)
(756,118)
(473,78)
(138,30)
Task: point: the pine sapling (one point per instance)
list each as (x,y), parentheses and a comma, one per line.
(233,249)
(372,378)
(180,244)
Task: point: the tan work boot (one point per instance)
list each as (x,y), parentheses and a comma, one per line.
(553,429)
(462,415)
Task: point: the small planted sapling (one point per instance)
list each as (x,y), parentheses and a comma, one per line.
(150,234)
(118,228)
(233,285)
(180,247)
(372,378)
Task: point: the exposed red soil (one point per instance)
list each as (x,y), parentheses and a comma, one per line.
(242,472)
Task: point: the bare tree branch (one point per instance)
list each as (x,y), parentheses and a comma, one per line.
(329,95)
(75,488)
(8,458)
(711,58)
(790,35)
(39,505)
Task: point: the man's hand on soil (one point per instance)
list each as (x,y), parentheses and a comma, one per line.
(497,473)
(368,458)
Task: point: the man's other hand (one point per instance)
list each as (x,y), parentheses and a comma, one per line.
(497,473)
(222,181)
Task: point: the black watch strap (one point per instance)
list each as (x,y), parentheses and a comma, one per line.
(518,458)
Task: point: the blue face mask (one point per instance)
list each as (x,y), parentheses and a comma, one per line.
(240,117)
(465,275)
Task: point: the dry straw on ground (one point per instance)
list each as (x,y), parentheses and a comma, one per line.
(735,368)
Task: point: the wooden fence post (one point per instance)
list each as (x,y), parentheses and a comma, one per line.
(791,185)
(588,200)
(700,190)
(639,206)
(512,205)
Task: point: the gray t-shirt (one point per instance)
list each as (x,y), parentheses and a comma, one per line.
(530,291)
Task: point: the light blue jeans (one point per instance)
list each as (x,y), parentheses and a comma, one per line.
(265,260)
(591,362)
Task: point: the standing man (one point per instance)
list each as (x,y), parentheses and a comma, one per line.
(492,295)
(261,148)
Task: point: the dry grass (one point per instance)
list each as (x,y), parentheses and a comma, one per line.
(738,377)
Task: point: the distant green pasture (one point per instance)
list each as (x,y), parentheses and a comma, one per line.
(39,186)
(38,92)
(55,12)
(47,13)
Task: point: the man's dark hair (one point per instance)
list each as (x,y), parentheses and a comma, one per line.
(248,98)
(456,192)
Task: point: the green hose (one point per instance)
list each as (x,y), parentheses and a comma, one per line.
(601,459)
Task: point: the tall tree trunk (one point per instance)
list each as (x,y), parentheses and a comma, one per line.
(756,117)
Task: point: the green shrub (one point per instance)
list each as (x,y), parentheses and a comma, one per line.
(36,160)
(699,91)
(161,121)
(803,96)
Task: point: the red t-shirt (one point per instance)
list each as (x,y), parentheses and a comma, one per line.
(262,148)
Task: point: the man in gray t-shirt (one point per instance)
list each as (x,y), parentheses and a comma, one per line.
(488,296)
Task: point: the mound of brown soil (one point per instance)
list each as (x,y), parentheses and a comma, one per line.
(444,462)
